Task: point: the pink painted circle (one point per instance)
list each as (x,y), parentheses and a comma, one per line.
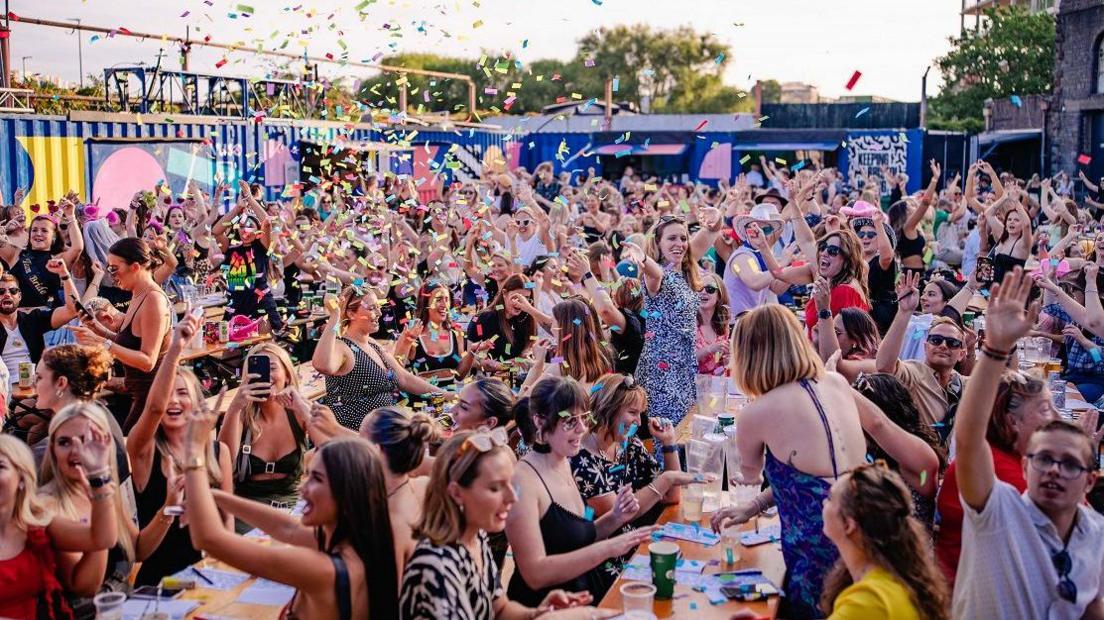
(124,172)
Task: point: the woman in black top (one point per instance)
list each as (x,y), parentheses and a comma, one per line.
(40,287)
(555,544)
(905,217)
(620,310)
(159,456)
(432,345)
(506,323)
(878,241)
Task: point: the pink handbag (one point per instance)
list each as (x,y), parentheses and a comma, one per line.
(241,328)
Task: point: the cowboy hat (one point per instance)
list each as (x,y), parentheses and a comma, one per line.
(772,193)
(764,214)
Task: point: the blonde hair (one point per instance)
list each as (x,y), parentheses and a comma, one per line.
(688,268)
(769,349)
(272,350)
(63,490)
(195,392)
(29,510)
(443,521)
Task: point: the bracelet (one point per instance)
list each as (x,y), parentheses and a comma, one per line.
(99,497)
(993,354)
(65,278)
(195,463)
(759,507)
(653,489)
(99,473)
(671,449)
(588,275)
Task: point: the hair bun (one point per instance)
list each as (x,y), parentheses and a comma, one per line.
(422,428)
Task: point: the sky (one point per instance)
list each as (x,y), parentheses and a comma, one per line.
(820,42)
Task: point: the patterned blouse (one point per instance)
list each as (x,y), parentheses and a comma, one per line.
(441,582)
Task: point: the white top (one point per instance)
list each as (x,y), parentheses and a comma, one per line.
(529,249)
(15,351)
(1005,570)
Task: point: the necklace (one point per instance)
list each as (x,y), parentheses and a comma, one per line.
(398,488)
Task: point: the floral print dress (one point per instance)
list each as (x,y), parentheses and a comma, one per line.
(668,364)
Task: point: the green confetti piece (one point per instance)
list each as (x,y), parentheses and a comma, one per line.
(923,477)
(245,8)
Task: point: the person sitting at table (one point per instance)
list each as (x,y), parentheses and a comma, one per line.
(452,573)
(486,402)
(140,343)
(68,374)
(158,450)
(83,575)
(40,285)
(24,335)
(339,555)
(431,345)
(507,322)
(774,363)
(612,454)
(360,375)
(555,545)
(885,568)
(1023,405)
(32,536)
(265,431)
(403,439)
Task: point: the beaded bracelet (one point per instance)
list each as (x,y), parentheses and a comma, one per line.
(993,354)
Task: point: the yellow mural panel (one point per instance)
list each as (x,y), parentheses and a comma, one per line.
(58,165)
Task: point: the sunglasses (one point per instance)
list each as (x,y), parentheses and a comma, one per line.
(709,288)
(583,421)
(1063,563)
(112,269)
(766,228)
(524,223)
(831,250)
(13,291)
(867,234)
(952,343)
(482,441)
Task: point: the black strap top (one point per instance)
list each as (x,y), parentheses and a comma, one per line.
(129,340)
(289,464)
(424,362)
(910,247)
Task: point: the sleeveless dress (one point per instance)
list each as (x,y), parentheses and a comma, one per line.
(138,382)
(808,553)
(364,389)
(175,552)
(667,365)
(562,531)
(28,576)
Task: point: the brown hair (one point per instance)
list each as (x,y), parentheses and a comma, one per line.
(628,294)
(136,251)
(540,412)
(442,520)
(401,437)
(688,267)
(1015,389)
(514,282)
(85,368)
(944,320)
(615,393)
(769,349)
(854,267)
(878,501)
(584,356)
(274,351)
(1062,426)
(721,313)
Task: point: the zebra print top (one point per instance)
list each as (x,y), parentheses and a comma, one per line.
(442,582)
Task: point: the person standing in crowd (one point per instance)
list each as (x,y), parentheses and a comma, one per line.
(24,335)
(507,324)
(41,286)
(244,239)
(360,375)
(878,242)
(711,342)
(1036,554)
(141,342)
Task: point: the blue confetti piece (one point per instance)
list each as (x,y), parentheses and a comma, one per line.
(862,111)
(1016,101)
(632,431)
(588,514)
(616,468)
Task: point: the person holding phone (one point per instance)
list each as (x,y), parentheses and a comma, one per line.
(265,429)
(23,337)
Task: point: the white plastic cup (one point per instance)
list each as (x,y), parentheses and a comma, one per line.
(109,605)
(637,600)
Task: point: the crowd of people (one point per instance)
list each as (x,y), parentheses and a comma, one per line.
(506,364)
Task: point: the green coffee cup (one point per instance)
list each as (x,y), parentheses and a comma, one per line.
(664,558)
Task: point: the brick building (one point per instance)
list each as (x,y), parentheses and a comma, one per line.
(1075,119)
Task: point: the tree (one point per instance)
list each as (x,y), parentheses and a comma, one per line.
(1012,53)
(770,91)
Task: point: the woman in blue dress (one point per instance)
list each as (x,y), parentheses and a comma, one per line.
(671,283)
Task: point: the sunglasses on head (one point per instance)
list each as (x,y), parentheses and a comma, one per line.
(482,441)
(831,250)
(710,288)
(867,234)
(952,343)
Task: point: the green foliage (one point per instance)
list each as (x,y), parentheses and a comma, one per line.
(675,70)
(770,91)
(1012,53)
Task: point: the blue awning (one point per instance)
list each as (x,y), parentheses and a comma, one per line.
(1009,135)
(624,150)
(788,146)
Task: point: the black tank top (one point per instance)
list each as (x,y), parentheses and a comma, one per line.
(37,286)
(562,532)
(129,340)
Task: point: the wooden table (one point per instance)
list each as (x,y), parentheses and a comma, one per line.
(221,603)
(766,557)
(218,348)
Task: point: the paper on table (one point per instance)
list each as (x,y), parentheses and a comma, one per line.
(1077,403)
(265,592)
(135,607)
(639,569)
(693,533)
(219,579)
(771,533)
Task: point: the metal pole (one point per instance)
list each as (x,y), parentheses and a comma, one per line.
(80,52)
(924,99)
(25,67)
(5,47)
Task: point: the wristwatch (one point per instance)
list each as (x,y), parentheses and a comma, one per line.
(824,314)
(98,482)
(196,462)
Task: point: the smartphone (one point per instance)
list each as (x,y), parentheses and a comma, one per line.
(984,271)
(260,365)
(151,592)
(81,310)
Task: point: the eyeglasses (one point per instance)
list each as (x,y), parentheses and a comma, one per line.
(583,421)
(831,250)
(1067,468)
(672,218)
(112,269)
(1063,563)
(481,441)
(709,288)
(867,234)
(952,343)
(13,291)
(766,228)
(524,223)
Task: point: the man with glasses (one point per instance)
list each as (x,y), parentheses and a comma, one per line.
(22,339)
(934,383)
(1039,554)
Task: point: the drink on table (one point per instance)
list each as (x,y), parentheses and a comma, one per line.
(692,498)
(730,544)
(637,600)
(664,557)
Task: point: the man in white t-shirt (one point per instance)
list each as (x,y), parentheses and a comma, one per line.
(528,235)
(1039,554)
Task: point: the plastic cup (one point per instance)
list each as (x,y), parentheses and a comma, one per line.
(691,501)
(637,599)
(664,556)
(109,605)
(730,544)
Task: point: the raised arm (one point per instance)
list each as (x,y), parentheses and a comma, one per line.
(919,465)
(1094,321)
(908,297)
(278,524)
(100,531)
(332,357)
(76,238)
(1007,322)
